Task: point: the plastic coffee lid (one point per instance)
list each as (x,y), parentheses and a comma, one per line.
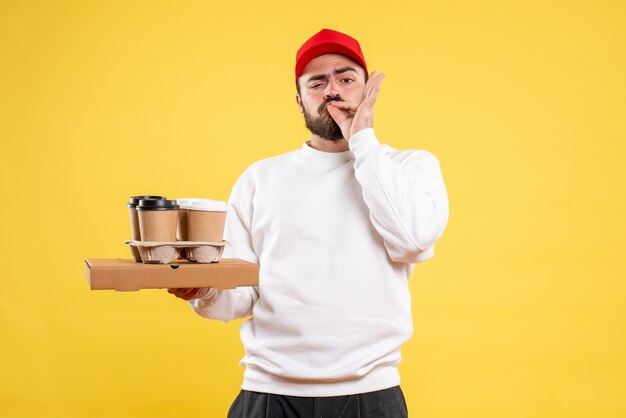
(134,200)
(157,204)
(207,205)
(185,202)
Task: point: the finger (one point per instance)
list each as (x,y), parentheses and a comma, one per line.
(370,81)
(373,83)
(189,293)
(374,86)
(177,291)
(197,292)
(345,105)
(349,107)
(338,115)
(372,94)
(173,290)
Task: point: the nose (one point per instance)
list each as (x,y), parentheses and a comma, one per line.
(332,90)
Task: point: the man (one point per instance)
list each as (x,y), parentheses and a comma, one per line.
(335,228)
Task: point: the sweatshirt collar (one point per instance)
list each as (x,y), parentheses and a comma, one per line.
(326,158)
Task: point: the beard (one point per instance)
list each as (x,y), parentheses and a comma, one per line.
(323,125)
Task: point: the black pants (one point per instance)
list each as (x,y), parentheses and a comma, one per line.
(386,403)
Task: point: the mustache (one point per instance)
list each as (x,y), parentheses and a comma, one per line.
(323,106)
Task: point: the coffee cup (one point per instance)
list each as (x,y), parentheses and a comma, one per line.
(134,221)
(184,203)
(205,220)
(158,219)
(134,218)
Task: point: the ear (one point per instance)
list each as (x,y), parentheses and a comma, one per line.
(298,100)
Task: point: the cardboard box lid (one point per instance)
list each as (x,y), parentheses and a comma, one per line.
(126,274)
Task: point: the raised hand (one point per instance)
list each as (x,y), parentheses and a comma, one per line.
(352,117)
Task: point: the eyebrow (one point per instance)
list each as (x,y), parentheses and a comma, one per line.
(324,76)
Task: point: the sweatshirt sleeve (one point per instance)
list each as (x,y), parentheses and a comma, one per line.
(405,194)
(229,304)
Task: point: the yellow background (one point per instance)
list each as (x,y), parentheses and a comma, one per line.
(520,314)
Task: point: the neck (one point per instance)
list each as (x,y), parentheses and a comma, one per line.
(328,145)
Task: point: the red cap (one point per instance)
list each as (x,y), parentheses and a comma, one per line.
(328,41)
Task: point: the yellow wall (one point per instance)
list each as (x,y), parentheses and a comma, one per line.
(521,313)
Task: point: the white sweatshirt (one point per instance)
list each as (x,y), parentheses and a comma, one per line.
(335,236)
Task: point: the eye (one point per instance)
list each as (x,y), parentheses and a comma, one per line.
(313,86)
(347,80)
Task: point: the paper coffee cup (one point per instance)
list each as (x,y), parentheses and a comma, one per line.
(205,220)
(134,217)
(184,204)
(158,220)
(181,228)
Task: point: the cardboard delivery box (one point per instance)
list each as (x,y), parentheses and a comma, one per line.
(125,274)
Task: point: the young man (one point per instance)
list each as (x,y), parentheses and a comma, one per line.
(335,227)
